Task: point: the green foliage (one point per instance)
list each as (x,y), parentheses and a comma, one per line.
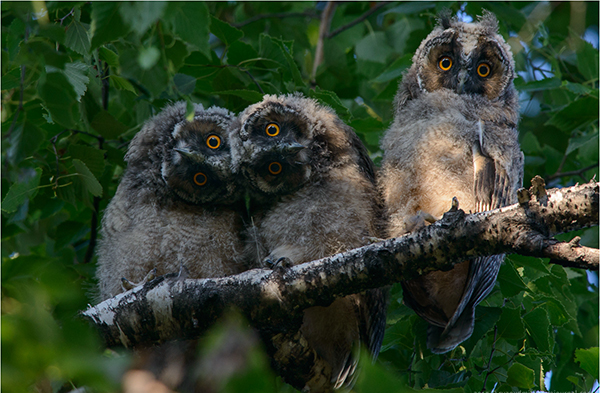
(79,79)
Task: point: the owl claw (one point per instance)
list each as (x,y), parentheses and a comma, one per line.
(128,285)
(418,221)
(282,262)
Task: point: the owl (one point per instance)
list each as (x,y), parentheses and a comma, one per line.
(454,134)
(178,204)
(313,194)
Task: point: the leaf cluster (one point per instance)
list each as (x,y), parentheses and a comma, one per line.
(79,79)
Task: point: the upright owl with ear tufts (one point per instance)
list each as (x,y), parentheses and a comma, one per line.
(454,134)
(313,194)
(178,204)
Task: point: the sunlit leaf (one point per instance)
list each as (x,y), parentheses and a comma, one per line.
(588,360)
(520,376)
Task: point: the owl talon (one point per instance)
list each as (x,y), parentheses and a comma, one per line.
(418,221)
(282,262)
(128,285)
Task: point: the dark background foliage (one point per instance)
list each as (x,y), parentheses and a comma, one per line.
(79,79)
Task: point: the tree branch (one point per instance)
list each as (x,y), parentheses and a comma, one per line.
(357,20)
(280,15)
(171,306)
(326,17)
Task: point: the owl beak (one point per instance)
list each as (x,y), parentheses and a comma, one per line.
(462,77)
(192,155)
(291,147)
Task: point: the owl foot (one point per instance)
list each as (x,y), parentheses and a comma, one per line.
(372,239)
(127,285)
(282,262)
(418,221)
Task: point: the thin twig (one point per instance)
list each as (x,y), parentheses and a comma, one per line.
(578,172)
(279,15)
(103,71)
(326,17)
(490,361)
(254,80)
(66,16)
(357,20)
(53,141)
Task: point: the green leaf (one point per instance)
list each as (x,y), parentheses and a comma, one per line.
(411,7)
(240,52)
(576,143)
(60,99)
(93,158)
(224,31)
(191,22)
(541,85)
(485,319)
(520,376)
(24,141)
(148,57)
(76,73)
(576,114)
(89,180)
(281,52)
(587,60)
(373,48)
(395,70)
(510,325)
(588,360)
(109,56)
(141,15)
(538,325)
(107,24)
(19,192)
(78,37)
(106,125)
(122,84)
(510,281)
(248,95)
(330,99)
(530,144)
(399,33)
(184,83)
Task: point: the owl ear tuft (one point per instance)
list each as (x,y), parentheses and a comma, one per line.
(444,18)
(489,21)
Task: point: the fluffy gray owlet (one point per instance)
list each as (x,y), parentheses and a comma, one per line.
(313,195)
(177,203)
(454,135)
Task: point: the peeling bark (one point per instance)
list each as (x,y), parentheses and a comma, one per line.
(174,307)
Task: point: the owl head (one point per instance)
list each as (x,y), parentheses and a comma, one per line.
(190,158)
(286,141)
(465,58)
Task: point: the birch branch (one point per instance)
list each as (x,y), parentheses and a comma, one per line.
(175,307)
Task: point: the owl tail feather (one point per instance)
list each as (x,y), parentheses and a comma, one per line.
(441,340)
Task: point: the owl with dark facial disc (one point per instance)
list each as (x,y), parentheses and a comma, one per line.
(313,195)
(178,203)
(454,135)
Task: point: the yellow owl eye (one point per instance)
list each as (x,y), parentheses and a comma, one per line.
(483,70)
(272,129)
(200,179)
(213,142)
(275,168)
(445,63)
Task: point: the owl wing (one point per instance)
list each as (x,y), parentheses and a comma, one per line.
(493,188)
